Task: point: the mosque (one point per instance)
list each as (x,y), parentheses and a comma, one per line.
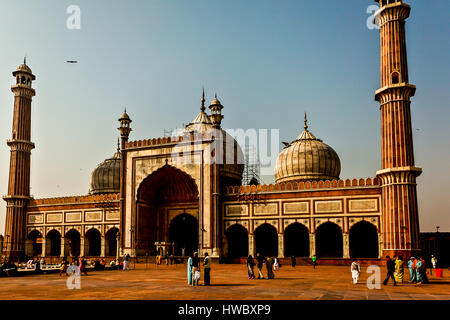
(183,193)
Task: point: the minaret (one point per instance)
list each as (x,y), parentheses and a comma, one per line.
(398,174)
(124,130)
(19,168)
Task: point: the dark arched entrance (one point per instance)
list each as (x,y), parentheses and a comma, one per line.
(166,190)
(111,242)
(73,243)
(296,241)
(363,240)
(266,240)
(36,237)
(237,238)
(184,234)
(329,240)
(53,243)
(94,243)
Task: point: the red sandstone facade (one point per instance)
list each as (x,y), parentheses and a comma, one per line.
(160,195)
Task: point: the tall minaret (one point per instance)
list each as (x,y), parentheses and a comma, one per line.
(19,168)
(398,174)
(124,130)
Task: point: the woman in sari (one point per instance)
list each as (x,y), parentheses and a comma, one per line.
(189,270)
(399,269)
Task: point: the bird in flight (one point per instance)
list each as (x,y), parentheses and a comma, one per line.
(72,61)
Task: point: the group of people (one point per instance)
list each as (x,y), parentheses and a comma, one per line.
(193,270)
(417,269)
(80,262)
(167,259)
(395,270)
(272,264)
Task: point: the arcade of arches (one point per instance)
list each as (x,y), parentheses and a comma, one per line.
(73,244)
(167,212)
(327,242)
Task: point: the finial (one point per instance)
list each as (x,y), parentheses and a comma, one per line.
(215,95)
(25,59)
(125,110)
(118,144)
(203,100)
(306,123)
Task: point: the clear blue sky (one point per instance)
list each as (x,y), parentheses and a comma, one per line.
(269,61)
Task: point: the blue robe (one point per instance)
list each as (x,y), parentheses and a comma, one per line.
(419,265)
(412,272)
(189,270)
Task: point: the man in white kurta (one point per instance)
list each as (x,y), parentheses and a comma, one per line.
(356,270)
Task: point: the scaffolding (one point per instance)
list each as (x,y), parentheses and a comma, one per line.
(252,168)
(173,132)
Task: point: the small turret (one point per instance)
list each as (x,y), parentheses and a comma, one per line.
(216,112)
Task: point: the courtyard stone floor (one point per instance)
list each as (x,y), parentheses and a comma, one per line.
(228,282)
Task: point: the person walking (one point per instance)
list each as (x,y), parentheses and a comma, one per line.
(82,266)
(276,265)
(293,261)
(269,267)
(126,262)
(260,261)
(250,266)
(207,269)
(399,269)
(412,271)
(433,263)
(314,261)
(195,269)
(37,265)
(390,264)
(355,269)
(189,270)
(419,271)
(423,270)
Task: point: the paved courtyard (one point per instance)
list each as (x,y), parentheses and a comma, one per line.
(228,282)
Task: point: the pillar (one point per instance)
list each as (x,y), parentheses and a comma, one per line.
(44,247)
(82,249)
(380,245)
(251,244)
(346,245)
(103,246)
(281,245)
(63,247)
(312,245)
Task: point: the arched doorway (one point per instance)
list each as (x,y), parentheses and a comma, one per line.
(266,240)
(167,190)
(53,243)
(329,240)
(363,240)
(93,243)
(237,238)
(36,237)
(296,241)
(111,242)
(184,233)
(73,243)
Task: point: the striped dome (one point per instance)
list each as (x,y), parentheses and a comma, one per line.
(106,176)
(307,158)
